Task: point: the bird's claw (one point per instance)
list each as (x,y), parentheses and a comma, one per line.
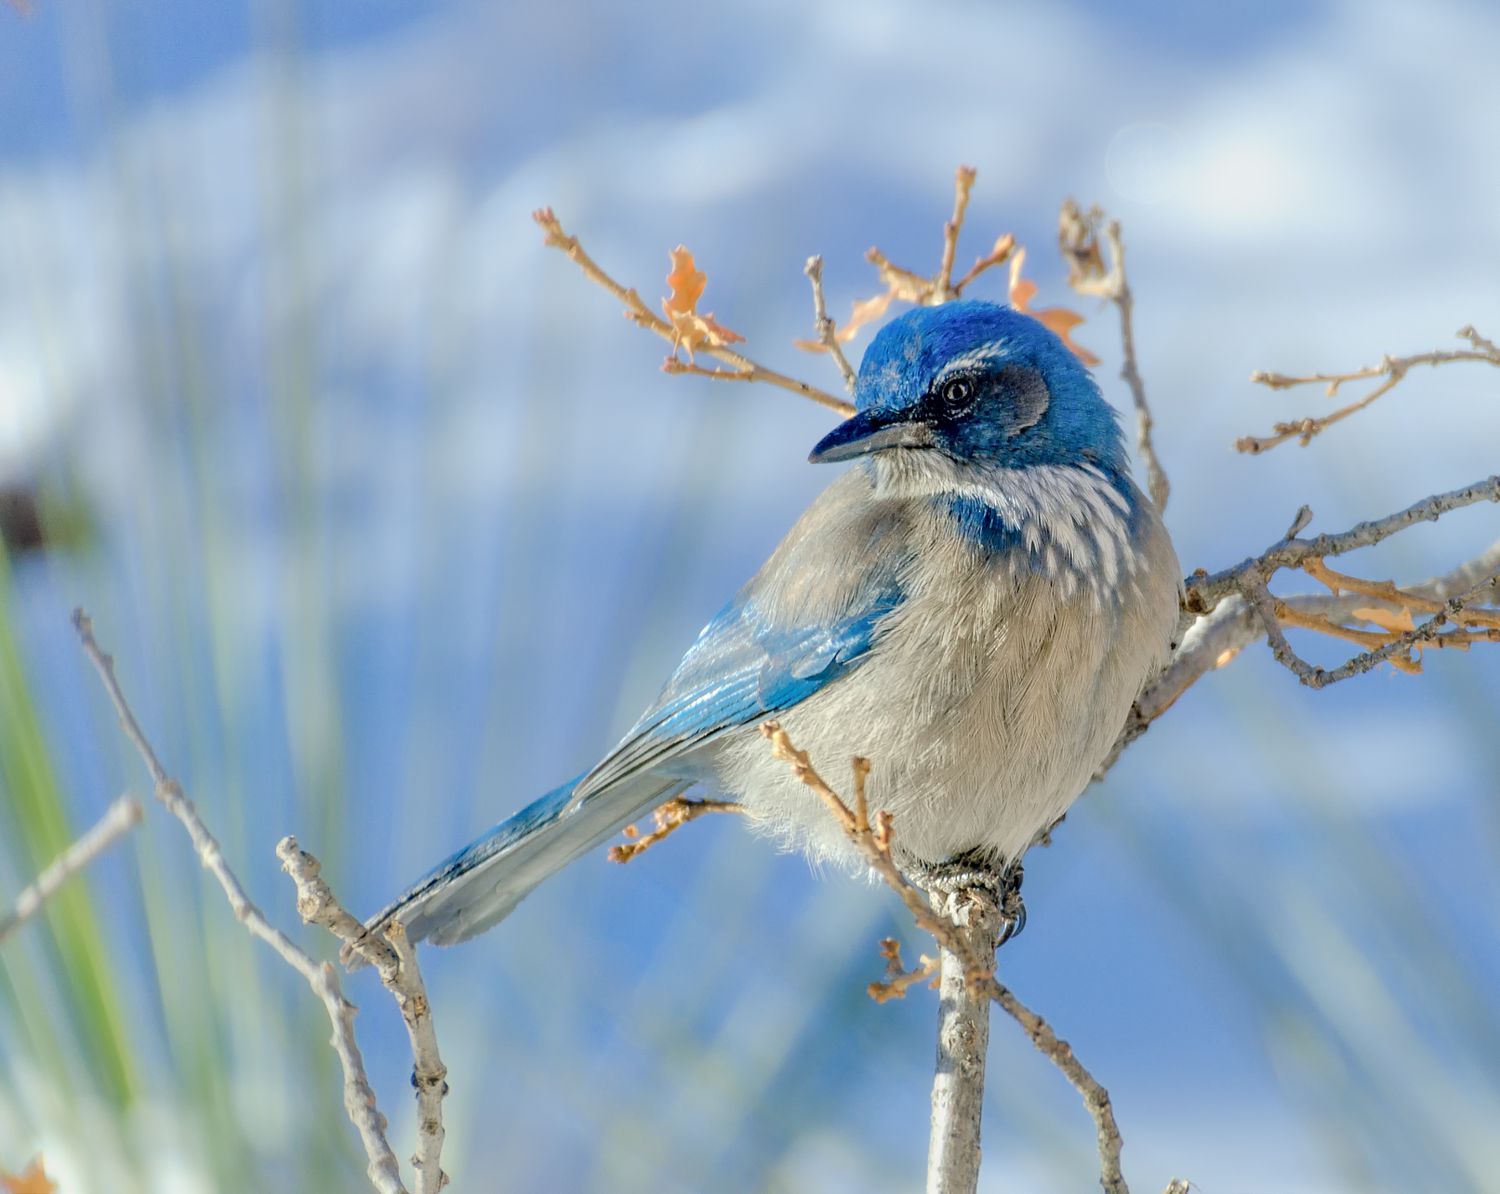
(965,872)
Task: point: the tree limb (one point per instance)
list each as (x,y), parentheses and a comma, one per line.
(1205,591)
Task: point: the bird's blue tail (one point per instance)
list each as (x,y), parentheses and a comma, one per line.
(480,885)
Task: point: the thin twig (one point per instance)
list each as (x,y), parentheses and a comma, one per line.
(1095,1097)
(741,367)
(1391,369)
(1423,635)
(1253,587)
(1388,592)
(898,979)
(942,285)
(1004,246)
(1204,591)
(118,819)
(669,818)
(359,1098)
(827,330)
(1079,241)
(395,960)
(872,837)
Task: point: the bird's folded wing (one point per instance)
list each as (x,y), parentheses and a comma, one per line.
(737,673)
(807,618)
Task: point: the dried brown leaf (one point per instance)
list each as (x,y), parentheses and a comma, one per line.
(1397,622)
(686,283)
(33,1180)
(1059,320)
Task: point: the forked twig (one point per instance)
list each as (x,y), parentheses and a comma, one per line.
(1390,369)
(741,367)
(669,818)
(1078,240)
(359,1098)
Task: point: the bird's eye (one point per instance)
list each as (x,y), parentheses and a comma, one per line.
(956,395)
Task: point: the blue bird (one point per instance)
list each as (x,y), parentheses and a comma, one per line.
(973,605)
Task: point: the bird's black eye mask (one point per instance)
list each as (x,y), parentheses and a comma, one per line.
(980,410)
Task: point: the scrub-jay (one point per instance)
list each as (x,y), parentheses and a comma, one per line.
(973,605)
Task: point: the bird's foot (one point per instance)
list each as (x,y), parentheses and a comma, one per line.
(977,873)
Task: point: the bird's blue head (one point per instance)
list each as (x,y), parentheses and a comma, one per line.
(982,384)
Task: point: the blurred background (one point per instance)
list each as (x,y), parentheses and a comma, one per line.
(392,522)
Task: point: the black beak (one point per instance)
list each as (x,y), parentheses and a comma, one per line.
(871,431)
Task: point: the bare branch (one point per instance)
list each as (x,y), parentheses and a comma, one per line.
(1078,239)
(1004,246)
(953,1143)
(741,367)
(1215,639)
(967,975)
(1206,591)
(1391,369)
(359,1099)
(1388,592)
(669,818)
(395,960)
(121,816)
(1095,1097)
(827,330)
(1424,635)
(1253,587)
(942,287)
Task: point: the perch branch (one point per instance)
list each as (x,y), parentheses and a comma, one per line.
(963,1039)
(669,818)
(395,960)
(741,367)
(1390,369)
(359,1099)
(967,975)
(121,816)
(1078,240)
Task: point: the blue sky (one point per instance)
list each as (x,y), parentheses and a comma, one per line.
(399,524)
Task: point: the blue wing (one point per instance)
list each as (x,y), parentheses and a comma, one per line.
(742,669)
(807,618)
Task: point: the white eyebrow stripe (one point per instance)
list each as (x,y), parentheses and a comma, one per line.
(972,359)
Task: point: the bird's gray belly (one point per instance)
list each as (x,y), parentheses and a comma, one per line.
(988,705)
